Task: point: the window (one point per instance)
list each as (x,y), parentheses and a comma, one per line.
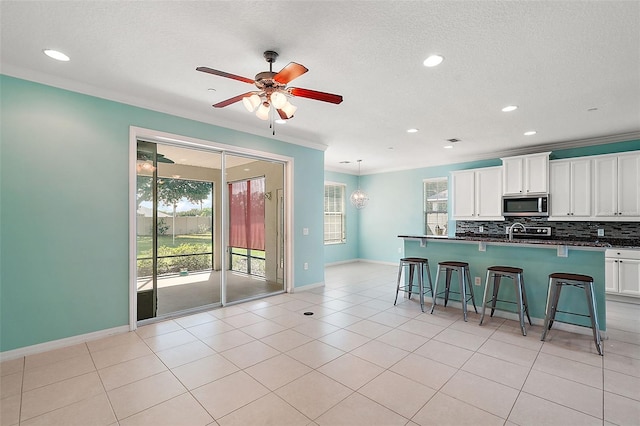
(436,196)
(334,214)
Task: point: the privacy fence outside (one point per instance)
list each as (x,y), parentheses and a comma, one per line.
(181,225)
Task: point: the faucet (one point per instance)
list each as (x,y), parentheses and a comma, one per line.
(512,227)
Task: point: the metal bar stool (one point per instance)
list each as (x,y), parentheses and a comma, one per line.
(464,278)
(494,275)
(421,264)
(556,282)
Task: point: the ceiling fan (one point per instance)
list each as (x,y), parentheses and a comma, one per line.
(272,89)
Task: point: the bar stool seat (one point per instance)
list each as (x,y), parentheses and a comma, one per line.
(413,263)
(558,280)
(516,274)
(464,279)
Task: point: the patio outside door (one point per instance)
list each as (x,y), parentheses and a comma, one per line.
(255,212)
(176,230)
(188,256)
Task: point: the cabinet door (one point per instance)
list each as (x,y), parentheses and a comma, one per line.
(606,188)
(489,193)
(513,171)
(629,185)
(611,275)
(560,188)
(536,174)
(580,188)
(463,186)
(629,276)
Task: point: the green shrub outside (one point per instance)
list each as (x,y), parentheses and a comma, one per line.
(169,265)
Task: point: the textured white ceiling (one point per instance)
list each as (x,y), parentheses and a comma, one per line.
(555,60)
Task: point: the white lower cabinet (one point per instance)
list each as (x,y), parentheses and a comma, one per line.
(622,272)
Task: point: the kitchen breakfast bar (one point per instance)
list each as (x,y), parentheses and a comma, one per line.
(538,259)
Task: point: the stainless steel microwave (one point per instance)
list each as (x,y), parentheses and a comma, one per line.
(525,206)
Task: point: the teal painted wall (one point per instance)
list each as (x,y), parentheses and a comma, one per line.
(395,208)
(350,250)
(610,148)
(64,208)
(537,264)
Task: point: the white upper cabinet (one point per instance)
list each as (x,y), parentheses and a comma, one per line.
(526,174)
(570,188)
(617,186)
(477,194)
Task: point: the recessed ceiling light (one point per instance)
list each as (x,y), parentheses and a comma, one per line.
(412,130)
(592,109)
(509,108)
(448,146)
(281,121)
(530,133)
(345,162)
(390,147)
(246,170)
(56,55)
(211,89)
(433,60)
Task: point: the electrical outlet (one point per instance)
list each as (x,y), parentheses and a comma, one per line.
(478,281)
(481,229)
(600,232)
(305,266)
(399,249)
(305,231)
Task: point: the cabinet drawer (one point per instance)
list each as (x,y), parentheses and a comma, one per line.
(622,254)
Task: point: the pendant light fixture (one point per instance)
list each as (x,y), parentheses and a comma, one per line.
(359,198)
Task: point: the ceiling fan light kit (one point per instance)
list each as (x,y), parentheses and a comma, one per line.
(272,90)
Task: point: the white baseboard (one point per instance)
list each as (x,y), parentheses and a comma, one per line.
(307,287)
(61,343)
(344,262)
(379,262)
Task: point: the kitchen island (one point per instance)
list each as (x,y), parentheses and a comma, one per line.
(538,259)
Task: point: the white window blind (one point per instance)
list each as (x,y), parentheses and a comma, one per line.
(334,213)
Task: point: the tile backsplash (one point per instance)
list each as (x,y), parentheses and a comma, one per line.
(560,230)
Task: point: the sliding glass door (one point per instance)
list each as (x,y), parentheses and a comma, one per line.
(176,229)
(255,227)
(209,229)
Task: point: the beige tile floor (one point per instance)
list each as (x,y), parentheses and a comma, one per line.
(357,361)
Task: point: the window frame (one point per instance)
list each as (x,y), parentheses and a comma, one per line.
(443,216)
(342,214)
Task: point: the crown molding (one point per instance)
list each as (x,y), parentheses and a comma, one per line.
(99,92)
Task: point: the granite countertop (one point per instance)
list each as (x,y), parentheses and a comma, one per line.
(628,243)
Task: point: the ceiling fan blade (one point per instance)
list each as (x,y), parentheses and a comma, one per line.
(288,73)
(283,115)
(318,96)
(225,74)
(160,158)
(233,100)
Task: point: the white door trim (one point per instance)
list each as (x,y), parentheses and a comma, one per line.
(136,133)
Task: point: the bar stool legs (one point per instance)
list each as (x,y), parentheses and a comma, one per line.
(556,282)
(494,275)
(464,279)
(421,265)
